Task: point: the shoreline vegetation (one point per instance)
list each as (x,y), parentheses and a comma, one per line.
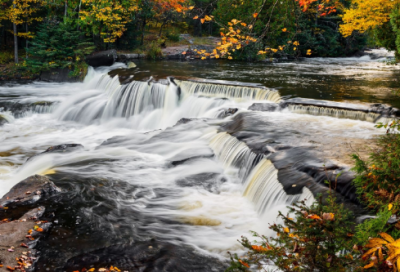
(60,35)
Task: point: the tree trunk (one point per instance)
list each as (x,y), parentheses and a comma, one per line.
(161,28)
(65,10)
(15,42)
(143,28)
(27,42)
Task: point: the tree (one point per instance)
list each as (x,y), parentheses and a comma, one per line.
(365,15)
(58,45)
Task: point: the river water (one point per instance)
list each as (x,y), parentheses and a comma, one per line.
(142,176)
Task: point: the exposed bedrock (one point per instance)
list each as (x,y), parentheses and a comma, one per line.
(103,58)
(299,164)
(18,109)
(146,256)
(19,239)
(25,195)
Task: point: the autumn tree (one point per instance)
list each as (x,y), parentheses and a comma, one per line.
(364,15)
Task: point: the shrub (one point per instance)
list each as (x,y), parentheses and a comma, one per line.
(173,37)
(378,179)
(154,51)
(318,238)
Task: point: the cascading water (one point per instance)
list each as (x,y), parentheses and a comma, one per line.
(142,176)
(338,113)
(238,93)
(257,173)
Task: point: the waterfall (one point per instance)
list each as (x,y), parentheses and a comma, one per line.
(335,112)
(258,174)
(234,153)
(239,93)
(265,191)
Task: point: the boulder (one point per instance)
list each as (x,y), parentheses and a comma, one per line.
(26,195)
(146,256)
(103,58)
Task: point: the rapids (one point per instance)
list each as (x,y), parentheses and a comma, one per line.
(160,162)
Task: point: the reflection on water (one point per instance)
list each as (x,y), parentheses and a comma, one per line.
(340,79)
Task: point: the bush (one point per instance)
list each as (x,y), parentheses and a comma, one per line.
(173,37)
(378,179)
(154,51)
(6,57)
(318,238)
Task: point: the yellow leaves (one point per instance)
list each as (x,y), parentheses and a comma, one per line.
(390,206)
(296,43)
(286,230)
(274,50)
(195,17)
(284,30)
(207,18)
(202,20)
(387,237)
(309,52)
(230,58)
(178,10)
(191,7)
(365,14)
(371,264)
(243,24)
(255,15)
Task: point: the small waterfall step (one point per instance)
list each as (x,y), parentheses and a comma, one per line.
(363,112)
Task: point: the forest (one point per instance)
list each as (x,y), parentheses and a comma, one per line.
(40,35)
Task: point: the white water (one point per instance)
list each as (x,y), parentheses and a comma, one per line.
(245,194)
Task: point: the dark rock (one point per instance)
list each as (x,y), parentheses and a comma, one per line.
(26,195)
(58,75)
(264,107)
(18,109)
(227,112)
(13,236)
(147,256)
(103,58)
(64,148)
(121,57)
(184,121)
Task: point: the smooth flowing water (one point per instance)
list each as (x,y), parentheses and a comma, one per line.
(141,175)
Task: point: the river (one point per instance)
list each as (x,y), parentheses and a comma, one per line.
(185,161)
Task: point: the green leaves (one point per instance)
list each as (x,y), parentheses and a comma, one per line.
(57,46)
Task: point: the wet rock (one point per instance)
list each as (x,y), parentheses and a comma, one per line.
(121,57)
(19,238)
(209,181)
(64,148)
(227,112)
(264,107)
(25,195)
(103,58)
(146,256)
(184,121)
(131,64)
(3,120)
